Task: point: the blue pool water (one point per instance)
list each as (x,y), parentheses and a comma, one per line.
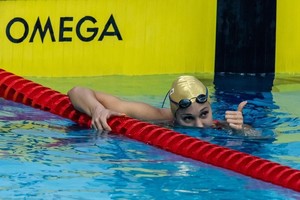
(44,156)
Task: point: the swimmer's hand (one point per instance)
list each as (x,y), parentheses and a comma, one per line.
(235,118)
(100,115)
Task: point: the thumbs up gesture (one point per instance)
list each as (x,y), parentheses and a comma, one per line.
(235,118)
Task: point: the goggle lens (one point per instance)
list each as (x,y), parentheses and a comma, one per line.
(201,98)
(184,103)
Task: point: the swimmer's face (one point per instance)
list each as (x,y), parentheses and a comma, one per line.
(196,115)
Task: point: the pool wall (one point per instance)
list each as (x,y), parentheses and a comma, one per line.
(91,38)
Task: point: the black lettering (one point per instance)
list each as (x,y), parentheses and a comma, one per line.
(38,27)
(111,21)
(92,30)
(9,25)
(63,29)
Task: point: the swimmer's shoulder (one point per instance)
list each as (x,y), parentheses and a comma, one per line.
(166,114)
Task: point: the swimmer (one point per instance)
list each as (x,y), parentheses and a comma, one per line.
(189,106)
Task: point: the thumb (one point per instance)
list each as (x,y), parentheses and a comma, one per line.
(241,106)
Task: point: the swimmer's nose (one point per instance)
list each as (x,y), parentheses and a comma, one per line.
(198,123)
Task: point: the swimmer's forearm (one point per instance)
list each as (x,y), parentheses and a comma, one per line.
(84,100)
(91,102)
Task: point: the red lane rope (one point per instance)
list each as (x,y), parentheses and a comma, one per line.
(24,91)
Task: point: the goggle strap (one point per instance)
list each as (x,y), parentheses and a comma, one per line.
(163,103)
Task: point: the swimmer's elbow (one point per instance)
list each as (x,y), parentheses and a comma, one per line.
(73,91)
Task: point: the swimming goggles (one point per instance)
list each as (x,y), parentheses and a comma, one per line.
(185,103)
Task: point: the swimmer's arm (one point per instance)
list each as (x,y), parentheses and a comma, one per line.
(133,109)
(84,100)
(101,106)
(235,120)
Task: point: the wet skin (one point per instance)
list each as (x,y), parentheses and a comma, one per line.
(196,115)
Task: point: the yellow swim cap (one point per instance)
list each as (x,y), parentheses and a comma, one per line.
(185,87)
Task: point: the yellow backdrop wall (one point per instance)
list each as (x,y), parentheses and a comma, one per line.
(127,37)
(287,37)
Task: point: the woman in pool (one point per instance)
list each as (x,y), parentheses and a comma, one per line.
(189,106)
